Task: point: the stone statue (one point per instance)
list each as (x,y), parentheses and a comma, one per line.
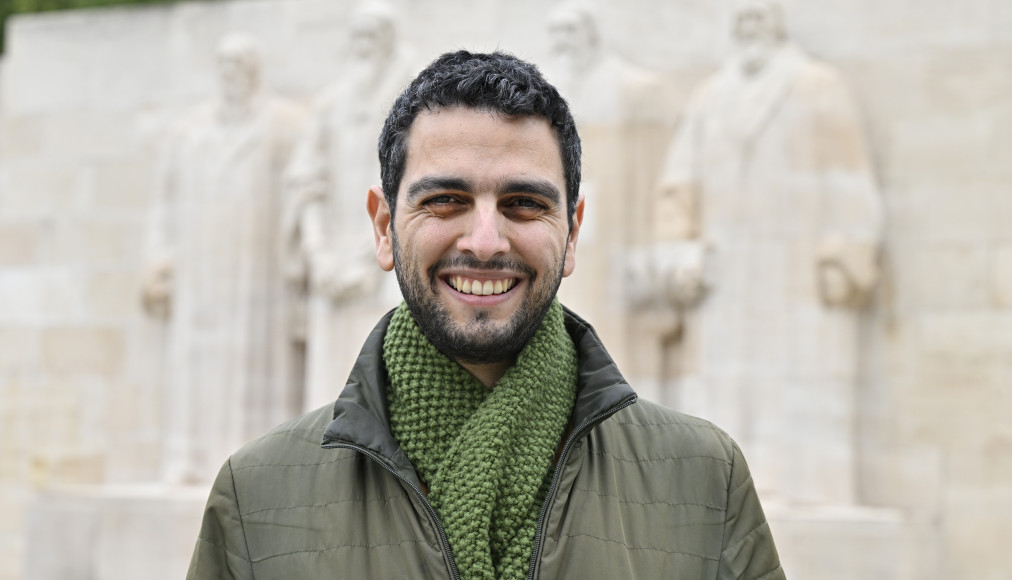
(621,135)
(333,167)
(596,83)
(766,232)
(217,272)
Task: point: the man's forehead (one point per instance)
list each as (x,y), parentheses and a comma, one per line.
(464,122)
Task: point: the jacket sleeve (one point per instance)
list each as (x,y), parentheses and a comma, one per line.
(747,550)
(221,551)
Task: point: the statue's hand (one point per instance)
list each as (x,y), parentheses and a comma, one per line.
(341,280)
(835,286)
(685,285)
(156,291)
(846,272)
(666,275)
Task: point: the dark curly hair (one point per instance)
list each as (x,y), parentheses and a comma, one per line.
(495,81)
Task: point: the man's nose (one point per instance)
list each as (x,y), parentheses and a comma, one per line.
(486,237)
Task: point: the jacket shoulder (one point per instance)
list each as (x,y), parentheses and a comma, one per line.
(295,440)
(667,431)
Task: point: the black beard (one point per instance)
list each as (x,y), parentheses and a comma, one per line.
(478,342)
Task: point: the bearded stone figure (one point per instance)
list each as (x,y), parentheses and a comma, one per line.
(333,167)
(769,211)
(620,135)
(217,274)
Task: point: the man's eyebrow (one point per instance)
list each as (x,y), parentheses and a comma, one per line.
(540,187)
(431,183)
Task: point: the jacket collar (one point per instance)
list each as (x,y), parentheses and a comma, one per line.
(362,416)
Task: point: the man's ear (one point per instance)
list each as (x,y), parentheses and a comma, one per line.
(574,233)
(379,213)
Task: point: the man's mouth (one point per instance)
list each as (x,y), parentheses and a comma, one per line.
(466,285)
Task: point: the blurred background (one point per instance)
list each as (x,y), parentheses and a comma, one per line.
(888,455)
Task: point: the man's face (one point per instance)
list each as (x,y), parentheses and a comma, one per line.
(481,240)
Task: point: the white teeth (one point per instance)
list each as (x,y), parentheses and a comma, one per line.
(486,288)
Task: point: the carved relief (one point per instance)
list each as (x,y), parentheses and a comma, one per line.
(622,139)
(216,273)
(769,179)
(334,165)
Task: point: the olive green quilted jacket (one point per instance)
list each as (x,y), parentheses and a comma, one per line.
(639,491)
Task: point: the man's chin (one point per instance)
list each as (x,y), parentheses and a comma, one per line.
(481,342)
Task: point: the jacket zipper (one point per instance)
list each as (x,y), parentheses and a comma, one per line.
(557,475)
(443,539)
(549,498)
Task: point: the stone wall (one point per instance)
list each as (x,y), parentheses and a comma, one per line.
(85,95)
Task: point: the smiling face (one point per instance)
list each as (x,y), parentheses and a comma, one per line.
(481,239)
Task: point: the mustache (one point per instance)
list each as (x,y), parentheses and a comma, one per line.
(501,263)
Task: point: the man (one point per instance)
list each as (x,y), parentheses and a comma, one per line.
(485,432)
(768,176)
(217,270)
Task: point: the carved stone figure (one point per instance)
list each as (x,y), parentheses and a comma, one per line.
(334,165)
(217,273)
(769,207)
(620,136)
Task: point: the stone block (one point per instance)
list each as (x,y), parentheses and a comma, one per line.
(960,417)
(120,58)
(123,184)
(22,136)
(114,294)
(88,134)
(83,350)
(19,351)
(937,215)
(976,533)
(918,143)
(14,497)
(908,478)
(987,465)
(98,242)
(951,276)
(35,296)
(968,333)
(1000,275)
(854,543)
(41,186)
(113,533)
(21,243)
(66,467)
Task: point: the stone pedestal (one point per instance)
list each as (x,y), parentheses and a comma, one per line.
(113,532)
(854,543)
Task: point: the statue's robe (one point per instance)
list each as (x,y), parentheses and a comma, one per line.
(232,368)
(773,168)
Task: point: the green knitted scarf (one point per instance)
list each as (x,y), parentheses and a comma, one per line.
(486,456)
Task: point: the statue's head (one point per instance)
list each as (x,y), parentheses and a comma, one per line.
(759,31)
(238,67)
(573,31)
(373,31)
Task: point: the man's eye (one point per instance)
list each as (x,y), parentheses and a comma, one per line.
(440,200)
(526,203)
(443,202)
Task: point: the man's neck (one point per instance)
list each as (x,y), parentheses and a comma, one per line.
(488,373)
